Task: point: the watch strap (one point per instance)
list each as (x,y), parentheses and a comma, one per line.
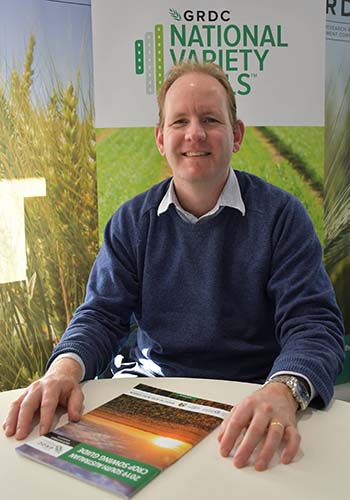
(298,386)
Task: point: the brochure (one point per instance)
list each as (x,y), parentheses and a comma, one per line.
(125,443)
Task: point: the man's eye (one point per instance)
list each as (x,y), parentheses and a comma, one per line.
(209,119)
(180,121)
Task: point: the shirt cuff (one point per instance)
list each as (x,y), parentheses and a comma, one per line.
(76,358)
(313,392)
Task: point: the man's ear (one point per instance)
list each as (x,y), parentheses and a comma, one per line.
(158,132)
(238,134)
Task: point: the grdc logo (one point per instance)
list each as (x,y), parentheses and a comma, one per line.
(201,15)
(149,58)
(149,51)
(241,51)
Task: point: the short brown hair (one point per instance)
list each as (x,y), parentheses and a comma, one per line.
(211,69)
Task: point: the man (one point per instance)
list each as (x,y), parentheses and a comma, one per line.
(224,275)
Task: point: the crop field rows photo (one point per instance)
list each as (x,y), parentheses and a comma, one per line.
(292,158)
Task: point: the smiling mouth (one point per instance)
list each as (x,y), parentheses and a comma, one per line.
(192,154)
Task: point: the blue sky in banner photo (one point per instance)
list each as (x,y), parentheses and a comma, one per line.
(62,29)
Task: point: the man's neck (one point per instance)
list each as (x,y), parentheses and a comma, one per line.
(198,198)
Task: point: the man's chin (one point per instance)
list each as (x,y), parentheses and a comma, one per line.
(197,177)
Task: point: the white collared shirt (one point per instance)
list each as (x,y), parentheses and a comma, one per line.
(230,197)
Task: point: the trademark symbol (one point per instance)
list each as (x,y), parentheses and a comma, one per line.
(253,75)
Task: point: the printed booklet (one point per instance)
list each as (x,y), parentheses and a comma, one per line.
(122,445)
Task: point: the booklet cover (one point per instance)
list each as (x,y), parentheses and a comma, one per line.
(122,445)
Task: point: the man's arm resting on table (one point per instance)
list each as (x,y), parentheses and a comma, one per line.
(59,386)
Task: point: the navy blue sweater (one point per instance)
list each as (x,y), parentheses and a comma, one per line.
(237,297)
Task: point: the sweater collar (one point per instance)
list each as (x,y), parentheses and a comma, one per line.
(230,197)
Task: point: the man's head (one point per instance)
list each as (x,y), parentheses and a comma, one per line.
(199,130)
(210,69)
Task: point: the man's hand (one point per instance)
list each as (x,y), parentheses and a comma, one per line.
(59,386)
(267,418)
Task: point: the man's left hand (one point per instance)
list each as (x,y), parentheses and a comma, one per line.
(268,419)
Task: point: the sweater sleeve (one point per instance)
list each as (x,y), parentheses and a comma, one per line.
(102,321)
(309,326)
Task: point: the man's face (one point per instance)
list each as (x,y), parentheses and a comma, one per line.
(197,138)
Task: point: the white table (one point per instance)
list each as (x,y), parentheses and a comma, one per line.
(321,470)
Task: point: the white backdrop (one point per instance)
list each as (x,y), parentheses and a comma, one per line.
(277,71)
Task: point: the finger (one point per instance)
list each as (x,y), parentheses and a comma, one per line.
(10,423)
(221,431)
(293,439)
(236,423)
(75,404)
(223,425)
(272,442)
(255,433)
(48,408)
(29,405)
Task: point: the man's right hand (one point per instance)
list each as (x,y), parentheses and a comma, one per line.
(59,386)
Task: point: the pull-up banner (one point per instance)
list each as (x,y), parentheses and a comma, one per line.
(271,50)
(337,158)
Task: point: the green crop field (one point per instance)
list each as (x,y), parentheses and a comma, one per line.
(304,146)
(257,157)
(128,163)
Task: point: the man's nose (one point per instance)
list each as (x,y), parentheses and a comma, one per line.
(195,131)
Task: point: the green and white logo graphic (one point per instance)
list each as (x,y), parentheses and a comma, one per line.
(241,50)
(149,58)
(272,52)
(149,55)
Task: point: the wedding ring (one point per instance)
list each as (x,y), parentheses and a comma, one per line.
(275,422)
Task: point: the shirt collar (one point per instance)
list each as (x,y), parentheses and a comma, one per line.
(230,197)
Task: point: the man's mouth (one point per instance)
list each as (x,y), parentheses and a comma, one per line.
(192,154)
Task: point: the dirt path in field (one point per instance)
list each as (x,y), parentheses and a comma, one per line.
(278,157)
(275,154)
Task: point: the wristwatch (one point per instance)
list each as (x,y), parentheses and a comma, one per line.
(298,387)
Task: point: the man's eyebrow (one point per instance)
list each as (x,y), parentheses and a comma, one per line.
(176,115)
(212,112)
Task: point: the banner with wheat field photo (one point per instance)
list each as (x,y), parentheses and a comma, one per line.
(273,52)
(337,160)
(48,196)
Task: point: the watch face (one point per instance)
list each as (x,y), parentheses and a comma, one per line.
(301,392)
